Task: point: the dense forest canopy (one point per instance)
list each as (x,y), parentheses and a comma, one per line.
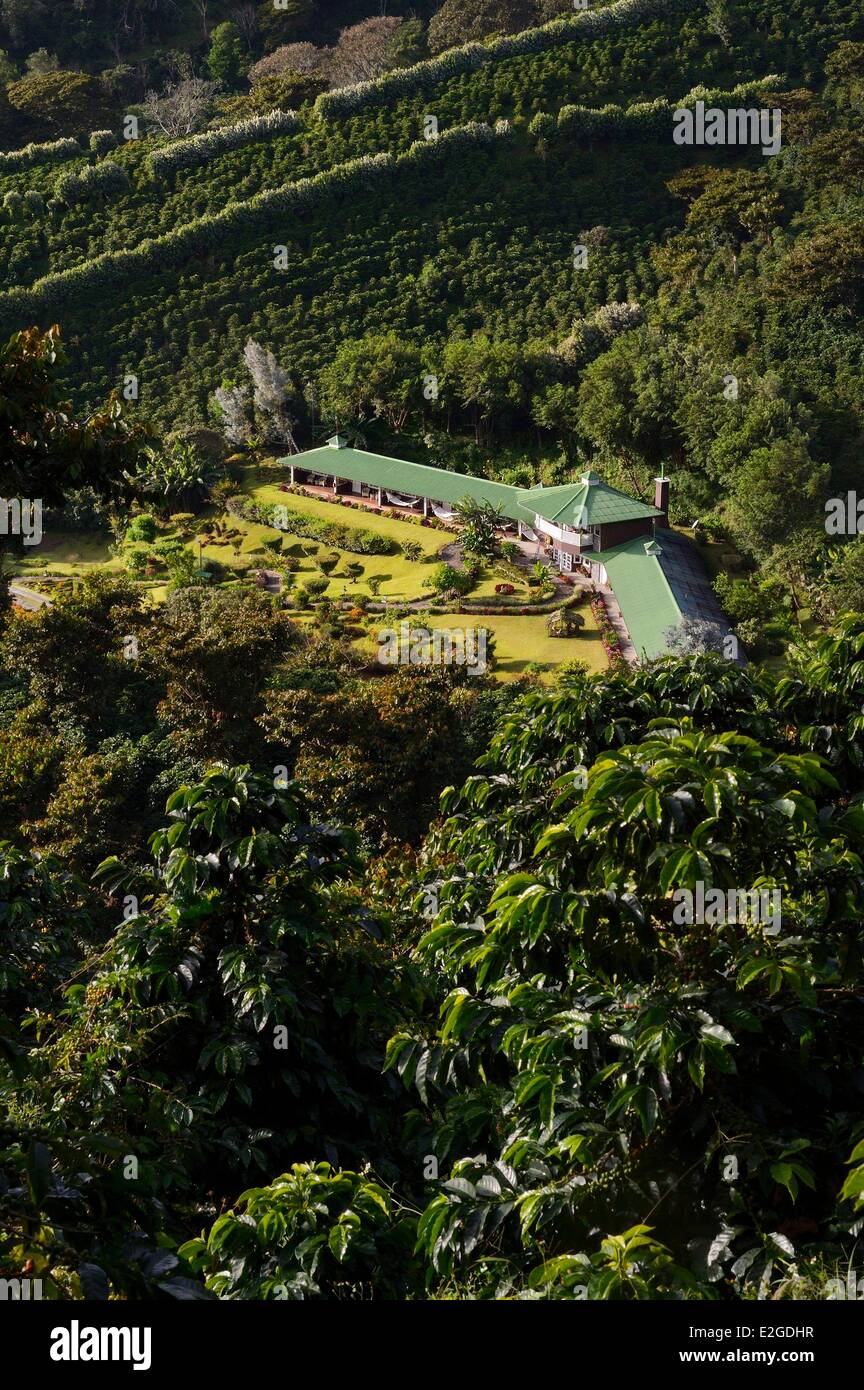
(323,982)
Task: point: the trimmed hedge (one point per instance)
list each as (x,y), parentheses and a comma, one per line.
(185,154)
(54,152)
(269,212)
(643,120)
(312,527)
(423,77)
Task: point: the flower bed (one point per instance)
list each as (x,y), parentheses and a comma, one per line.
(608,636)
(505,610)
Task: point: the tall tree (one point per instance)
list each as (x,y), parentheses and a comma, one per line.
(363,51)
(45,448)
(626,402)
(62,103)
(464,21)
(380,376)
(226,59)
(776,490)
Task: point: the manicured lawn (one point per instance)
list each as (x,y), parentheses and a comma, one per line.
(400,578)
(404,578)
(67,552)
(519,641)
(428,538)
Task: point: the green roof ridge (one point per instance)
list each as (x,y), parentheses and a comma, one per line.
(402,475)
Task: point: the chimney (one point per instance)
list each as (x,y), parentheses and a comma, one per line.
(661,497)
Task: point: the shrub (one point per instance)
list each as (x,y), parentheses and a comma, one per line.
(106,180)
(643,120)
(54,152)
(446,579)
(168,547)
(34,202)
(142,528)
(754,639)
(136,561)
(101,141)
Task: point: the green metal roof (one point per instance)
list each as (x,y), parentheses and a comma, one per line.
(647,604)
(589,502)
(413,479)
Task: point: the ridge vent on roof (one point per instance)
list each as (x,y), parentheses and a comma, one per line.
(338,441)
(590,478)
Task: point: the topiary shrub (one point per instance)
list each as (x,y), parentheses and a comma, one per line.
(446,579)
(142,528)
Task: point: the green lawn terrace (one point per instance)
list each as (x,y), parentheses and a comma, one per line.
(649,576)
(239,547)
(585,531)
(522,643)
(67,553)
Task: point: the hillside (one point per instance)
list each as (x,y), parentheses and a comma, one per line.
(457,241)
(431,778)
